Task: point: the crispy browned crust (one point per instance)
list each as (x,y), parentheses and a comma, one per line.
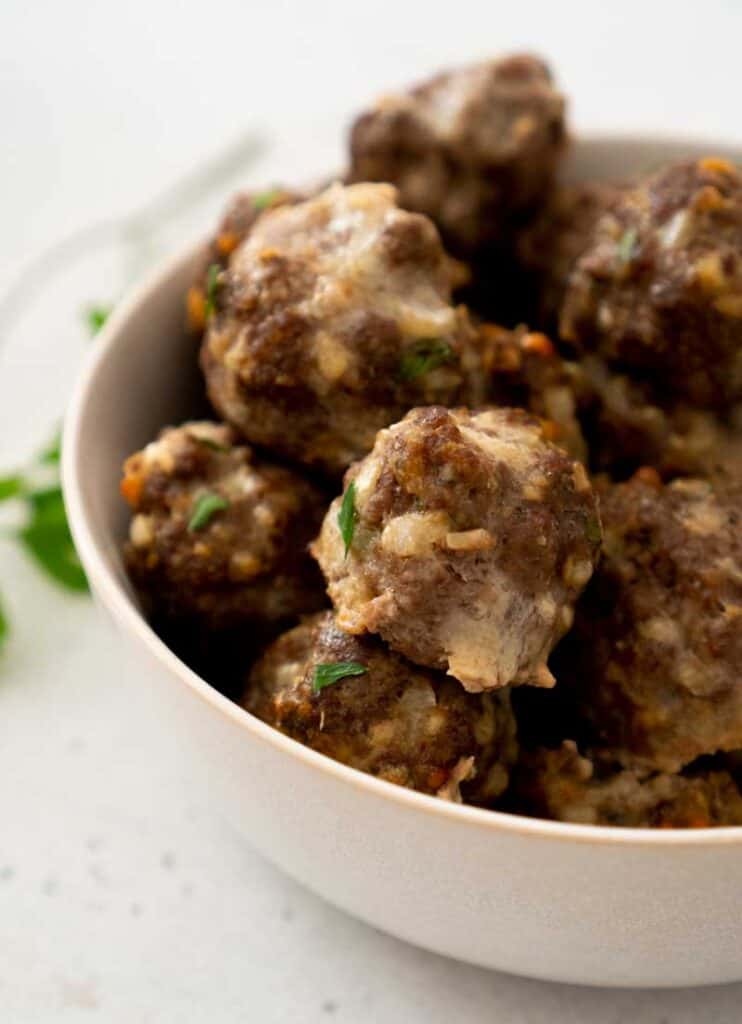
(659,289)
(474,537)
(561,785)
(655,656)
(397,721)
(248,564)
(476,148)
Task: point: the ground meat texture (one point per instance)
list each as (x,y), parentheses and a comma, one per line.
(476,148)
(397,721)
(523,369)
(333,319)
(548,248)
(472,538)
(561,785)
(628,425)
(236,224)
(217,538)
(654,660)
(659,289)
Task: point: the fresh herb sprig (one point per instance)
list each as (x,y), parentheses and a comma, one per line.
(332,672)
(44,533)
(348,516)
(423,356)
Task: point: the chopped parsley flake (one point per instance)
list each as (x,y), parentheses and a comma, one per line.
(212,287)
(332,672)
(593,532)
(625,245)
(207,442)
(423,356)
(95,317)
(205,506)
(348,516)
(265,199)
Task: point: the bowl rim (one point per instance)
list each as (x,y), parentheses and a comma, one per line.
(133,624)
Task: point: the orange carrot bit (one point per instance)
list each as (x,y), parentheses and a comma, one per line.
(227,242)
(648,475)
(131,489)
(715,164)
(196,308)
(538,343)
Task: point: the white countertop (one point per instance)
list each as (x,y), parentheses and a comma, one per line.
(122,897)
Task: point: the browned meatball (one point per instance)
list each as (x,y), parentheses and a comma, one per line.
(628,425)
(333,319)
(476,148)
(395,720)
(463,540)
(562,785)
(218,538)
(236,224)
(659,289)
(655,656)
(549,247)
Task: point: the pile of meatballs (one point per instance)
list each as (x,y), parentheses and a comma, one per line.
(468,515)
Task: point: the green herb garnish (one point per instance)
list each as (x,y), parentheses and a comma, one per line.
(10,486)
(51,455)
(3,628)
(425,355)
(348,516)
(203,509)
(592,531)
(47,538)
(625,245)
(212,287)
(333,672)
(265,199)
(207,442)
(96,316)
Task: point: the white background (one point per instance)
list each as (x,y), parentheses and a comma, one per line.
(122,898)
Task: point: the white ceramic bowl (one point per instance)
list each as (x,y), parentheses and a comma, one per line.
(602,906)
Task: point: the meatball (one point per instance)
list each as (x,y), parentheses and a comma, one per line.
(463,540)
(549,247)
(333,319)
(476,148)
(236,224)
(562,785)
(523,369)
(659,288)
(217,538)
(383,715)
(655,657)
(628,425)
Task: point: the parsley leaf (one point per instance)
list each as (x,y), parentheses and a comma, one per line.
(212,287)
(3,628)
(203,509)
(207,442)
(265,199)
(348,516)
(625,245)
(332,672)
(47,538)
(95,317)
(51,455)
(593,531)
(423,356)
(10,487)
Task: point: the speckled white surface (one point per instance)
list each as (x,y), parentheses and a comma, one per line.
(122,897)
